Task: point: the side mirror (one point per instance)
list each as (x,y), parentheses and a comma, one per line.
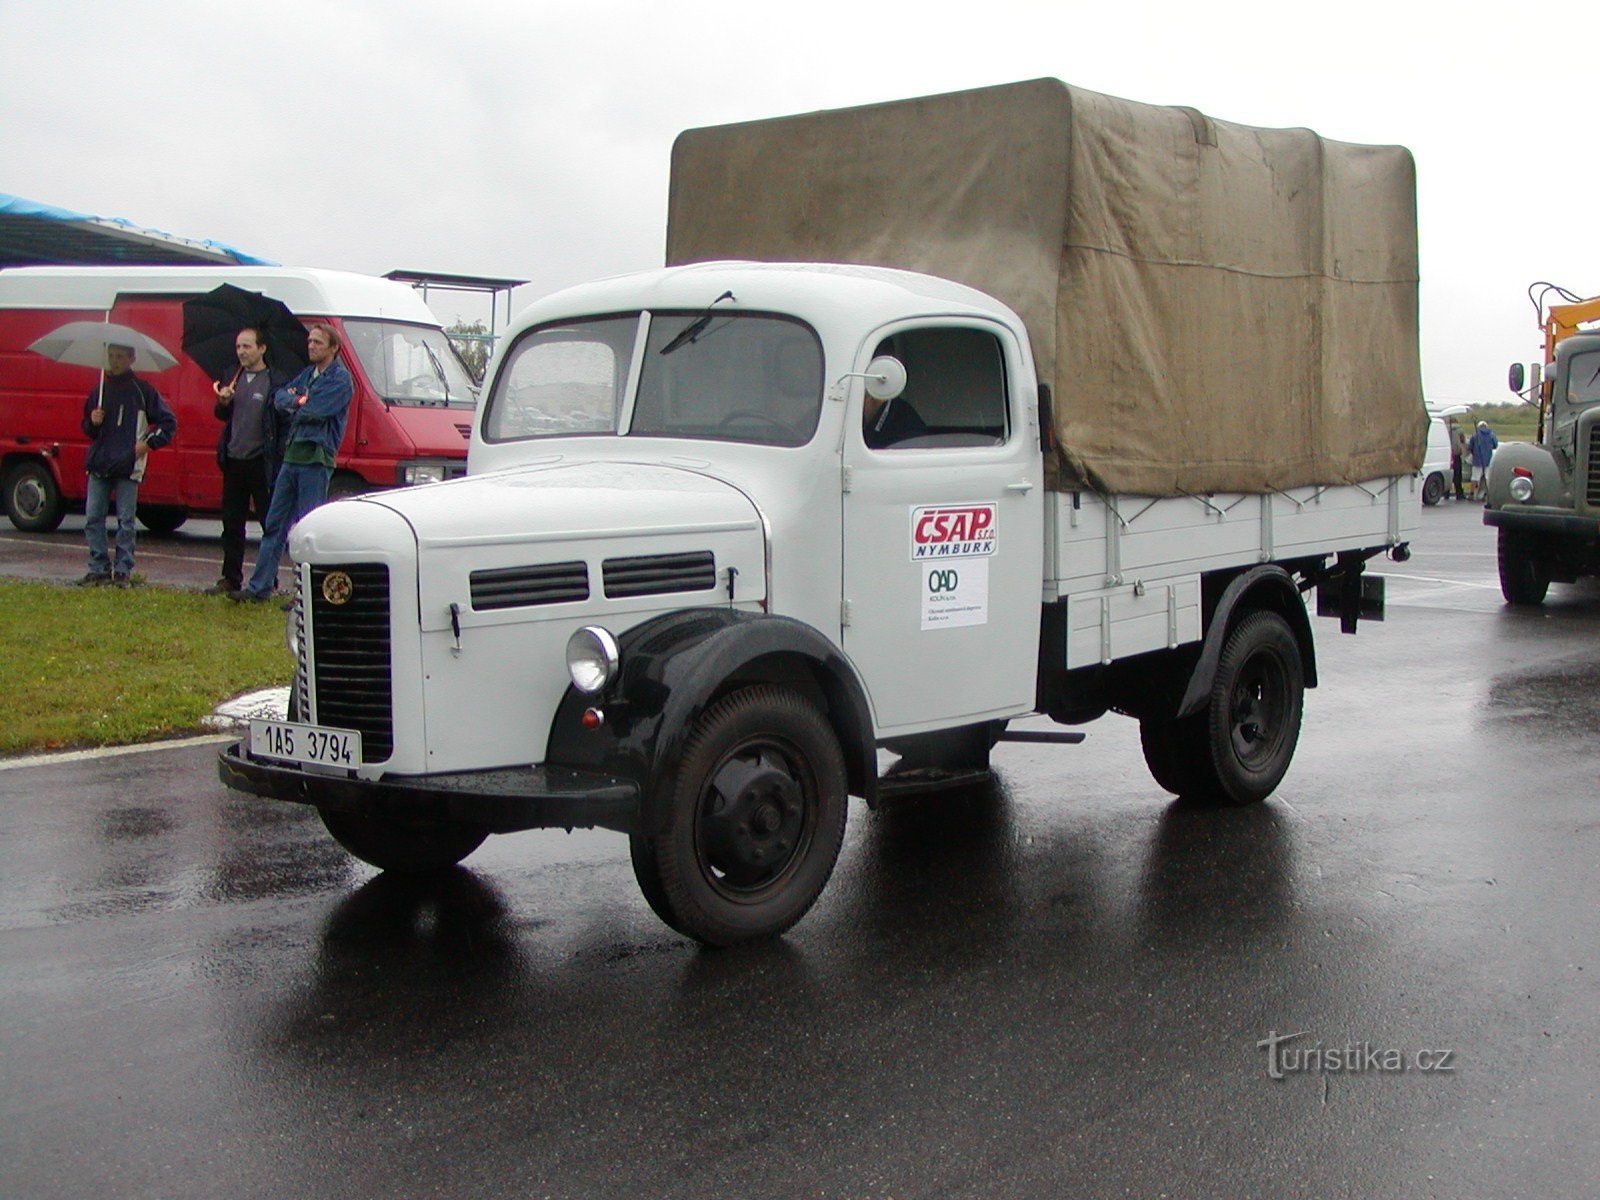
(1516,378)
(886,377)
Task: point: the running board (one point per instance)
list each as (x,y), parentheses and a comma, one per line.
(1057,737)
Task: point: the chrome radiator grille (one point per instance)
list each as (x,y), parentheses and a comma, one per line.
(350,653)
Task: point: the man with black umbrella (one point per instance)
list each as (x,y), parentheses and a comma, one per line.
(315,404)
(248,450)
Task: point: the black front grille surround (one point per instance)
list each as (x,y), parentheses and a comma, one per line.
(1591,484)
(659,574)
(526,587)
(351,686)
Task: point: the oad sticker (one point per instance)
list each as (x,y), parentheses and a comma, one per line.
(955,593)
(953,530)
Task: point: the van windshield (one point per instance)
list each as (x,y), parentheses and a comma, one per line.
(410,364)
(738,377)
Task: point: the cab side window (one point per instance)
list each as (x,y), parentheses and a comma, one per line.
(955,392)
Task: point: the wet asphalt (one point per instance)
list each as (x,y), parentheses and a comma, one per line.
(1053,986)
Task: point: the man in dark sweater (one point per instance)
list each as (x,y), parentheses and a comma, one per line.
(248,449)
(124,418)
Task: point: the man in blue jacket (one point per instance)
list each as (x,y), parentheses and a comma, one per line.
(118,443)
(314,405)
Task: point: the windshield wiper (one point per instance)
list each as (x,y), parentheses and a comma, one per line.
(696,327)
(439,368)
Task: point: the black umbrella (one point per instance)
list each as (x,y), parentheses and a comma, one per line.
(212,322)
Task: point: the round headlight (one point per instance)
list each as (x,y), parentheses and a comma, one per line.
(592,659)
(1521,489)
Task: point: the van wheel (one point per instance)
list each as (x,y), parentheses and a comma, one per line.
(32,499)
(162,519)
(1523,580)
(1237,749)
(405,847)
(755,822)
(346,484)
(1433,488)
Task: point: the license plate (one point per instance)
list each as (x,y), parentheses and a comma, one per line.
(288,742)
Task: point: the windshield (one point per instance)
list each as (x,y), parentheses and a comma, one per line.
(410,364)
(739,377)
(1583,378)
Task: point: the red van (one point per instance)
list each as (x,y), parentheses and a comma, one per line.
(410,416)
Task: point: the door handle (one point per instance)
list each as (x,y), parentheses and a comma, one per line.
(1024,486)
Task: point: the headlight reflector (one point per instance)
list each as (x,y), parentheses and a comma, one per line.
(1521,489)
(592,659)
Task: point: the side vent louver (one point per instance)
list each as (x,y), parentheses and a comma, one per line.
(524,587)
(660,574)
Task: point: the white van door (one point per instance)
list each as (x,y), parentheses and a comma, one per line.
(943,530)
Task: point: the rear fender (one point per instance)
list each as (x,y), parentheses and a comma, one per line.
(1267,587)
(673,668)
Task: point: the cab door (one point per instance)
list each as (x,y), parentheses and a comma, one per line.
(943,529)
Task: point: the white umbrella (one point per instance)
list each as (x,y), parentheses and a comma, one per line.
(83,344)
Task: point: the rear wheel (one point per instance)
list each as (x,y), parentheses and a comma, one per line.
(162,518)
(1523,579)
(1237,749)
(755,820)
(32,499)
(405,847)
(1434,488)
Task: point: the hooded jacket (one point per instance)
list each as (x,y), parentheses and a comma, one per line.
(112,441)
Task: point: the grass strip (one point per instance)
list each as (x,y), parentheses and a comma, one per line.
(111,667)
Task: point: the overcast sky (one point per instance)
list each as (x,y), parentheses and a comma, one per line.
(531,140)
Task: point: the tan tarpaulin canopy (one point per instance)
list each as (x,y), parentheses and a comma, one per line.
(1215,307)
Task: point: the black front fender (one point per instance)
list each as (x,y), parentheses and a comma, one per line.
(676,666)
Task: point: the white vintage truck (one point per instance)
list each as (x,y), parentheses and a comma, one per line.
(734,527)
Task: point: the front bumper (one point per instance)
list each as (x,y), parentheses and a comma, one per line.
(1544,524)
(501,801)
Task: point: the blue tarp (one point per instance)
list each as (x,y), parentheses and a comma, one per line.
(37,233)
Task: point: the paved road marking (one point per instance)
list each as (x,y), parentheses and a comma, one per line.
(73,756)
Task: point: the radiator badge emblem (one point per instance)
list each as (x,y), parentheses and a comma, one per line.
(337,588)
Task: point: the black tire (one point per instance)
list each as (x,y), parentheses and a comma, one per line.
(162,519)
(755,820)
(1236,750)
(1170,753)
(32,499)
(1523,579)
(346,484)
(405,847)
(1434,488)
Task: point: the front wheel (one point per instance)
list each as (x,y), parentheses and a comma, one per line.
(1523,581)
(32,499)
(405,847)
(754,823)
(1434,488)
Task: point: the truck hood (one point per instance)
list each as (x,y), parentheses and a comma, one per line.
(570,502)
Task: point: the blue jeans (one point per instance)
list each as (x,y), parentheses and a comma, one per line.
(96,505)
(297,490)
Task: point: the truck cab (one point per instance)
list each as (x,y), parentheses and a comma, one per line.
(1544,497)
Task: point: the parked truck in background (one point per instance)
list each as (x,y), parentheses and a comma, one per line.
(703,572)
(1543,497)
(410,412)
